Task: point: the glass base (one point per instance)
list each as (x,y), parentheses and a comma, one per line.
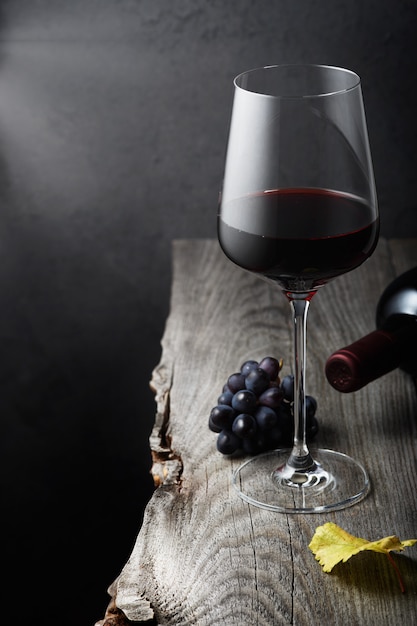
(336,481)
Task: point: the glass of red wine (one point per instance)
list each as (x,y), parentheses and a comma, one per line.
(298,207)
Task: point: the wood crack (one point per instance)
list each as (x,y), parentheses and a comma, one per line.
(167,465)
(255,563)
(292,570)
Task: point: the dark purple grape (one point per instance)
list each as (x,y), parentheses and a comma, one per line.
(312,427)
(256,445)
(244,401)
(225,397)
(250,447)
(257,381)
(271,397)
(222,416)
(274,437)
(311,406)
(236,382)
(287,386)
(227,442)
(248,366)
(271,367)
(213,427)
(244,426)
(266,418)
(286,421)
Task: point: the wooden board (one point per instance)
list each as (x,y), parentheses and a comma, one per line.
(203,556)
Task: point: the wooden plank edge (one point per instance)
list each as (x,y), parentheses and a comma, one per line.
(115,617)
(166,464)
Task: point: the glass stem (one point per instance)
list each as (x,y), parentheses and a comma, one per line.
(300,458)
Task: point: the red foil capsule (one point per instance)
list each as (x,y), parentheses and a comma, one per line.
(365,360)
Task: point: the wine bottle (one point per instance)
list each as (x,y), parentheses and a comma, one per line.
(392,345)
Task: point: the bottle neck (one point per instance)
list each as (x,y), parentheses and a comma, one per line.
(372,356)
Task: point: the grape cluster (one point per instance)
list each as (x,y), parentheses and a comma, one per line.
(254,411)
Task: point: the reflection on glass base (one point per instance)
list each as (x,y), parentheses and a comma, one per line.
(335,482)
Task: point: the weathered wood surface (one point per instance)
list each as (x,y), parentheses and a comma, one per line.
(203,556)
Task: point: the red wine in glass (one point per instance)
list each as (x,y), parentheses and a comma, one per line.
(279,234)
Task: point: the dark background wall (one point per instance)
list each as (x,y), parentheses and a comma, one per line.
(113,124)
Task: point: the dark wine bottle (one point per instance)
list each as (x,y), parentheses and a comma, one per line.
(392,345)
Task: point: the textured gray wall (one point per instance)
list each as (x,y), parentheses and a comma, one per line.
(113,124)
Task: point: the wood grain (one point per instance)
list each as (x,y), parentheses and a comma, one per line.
(203,556)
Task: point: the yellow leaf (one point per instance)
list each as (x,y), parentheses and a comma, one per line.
(331,545)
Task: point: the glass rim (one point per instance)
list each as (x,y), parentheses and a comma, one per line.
(355,84)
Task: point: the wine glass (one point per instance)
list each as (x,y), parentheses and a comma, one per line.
(298,207)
